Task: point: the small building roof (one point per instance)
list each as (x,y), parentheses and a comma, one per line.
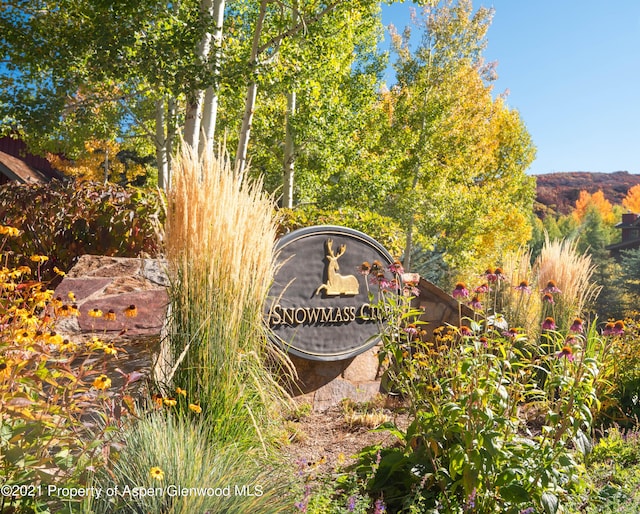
(16,169)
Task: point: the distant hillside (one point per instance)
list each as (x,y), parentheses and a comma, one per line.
(558,192)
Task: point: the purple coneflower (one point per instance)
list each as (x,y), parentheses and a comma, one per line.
(364,268)
(490,275)
(549,323)
(511,333)
(460,291)
(523,287)
(465,331)
(577,326)
(484,288)
(411,330)
(475,304)
(618,328)
(547,298)
(608,329)
(396,267)
(566,352)
(551,288)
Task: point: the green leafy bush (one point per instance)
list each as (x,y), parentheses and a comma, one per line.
(67,219)
(498,422)
(621,394)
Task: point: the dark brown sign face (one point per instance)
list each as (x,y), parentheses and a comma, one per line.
(319,307)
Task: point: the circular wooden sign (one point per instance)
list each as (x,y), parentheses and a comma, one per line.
(319,306)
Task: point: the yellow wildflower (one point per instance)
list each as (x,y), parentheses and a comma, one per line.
(95,313)
(64,311)
(109,349)
(102,382)
(68,346)
(9,231)
(195,408)
(181,391)
(96,343)
(54,338)
(156,473)
(170,402)
(59,271)
(110,315)
(71,296)
(131,311)
(39,258)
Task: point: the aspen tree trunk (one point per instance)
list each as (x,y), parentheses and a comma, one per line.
(252,93)
(195,105)
(210,108)
(289,153)
(288,162)
(162,159)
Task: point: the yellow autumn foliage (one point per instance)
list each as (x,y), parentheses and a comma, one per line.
(91,164)
(632,200)
(597,200)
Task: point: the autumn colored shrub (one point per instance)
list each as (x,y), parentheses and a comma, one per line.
(55,394)
(64,220)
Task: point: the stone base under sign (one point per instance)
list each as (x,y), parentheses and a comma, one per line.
(324,384)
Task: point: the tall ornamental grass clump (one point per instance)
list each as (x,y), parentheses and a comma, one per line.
(220,234)
(560,264)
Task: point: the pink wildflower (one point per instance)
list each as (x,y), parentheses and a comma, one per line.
(566,352)
(577,326)
(551,288)
(475,304)
(460,291)
(549,323)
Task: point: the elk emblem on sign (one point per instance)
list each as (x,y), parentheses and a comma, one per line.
(336,283)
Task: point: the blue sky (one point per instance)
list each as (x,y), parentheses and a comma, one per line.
(572,69)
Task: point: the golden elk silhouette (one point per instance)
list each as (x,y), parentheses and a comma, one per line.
(337,284)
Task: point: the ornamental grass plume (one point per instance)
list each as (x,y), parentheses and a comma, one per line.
(519,305)
(220,239)
(571,273)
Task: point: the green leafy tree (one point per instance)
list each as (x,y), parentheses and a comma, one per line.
(139,72)
(456,155)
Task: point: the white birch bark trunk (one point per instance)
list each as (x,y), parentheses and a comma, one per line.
(195,105)
(210,108)
(250,99)
(289,153)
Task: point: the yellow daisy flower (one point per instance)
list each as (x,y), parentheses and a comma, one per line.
(195,408)
(131,311)
(156,473)
(95,313)
(102,382)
